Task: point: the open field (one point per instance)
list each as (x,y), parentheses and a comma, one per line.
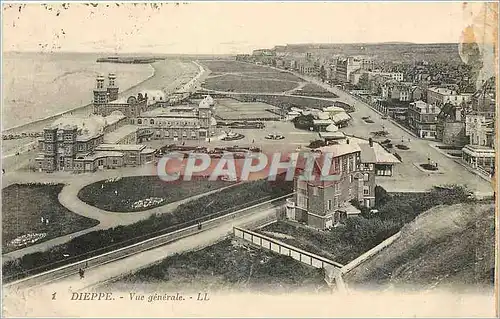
(446,247)
(229,109)
(131,194)
(224,266)
(231,66)
(23,207)
(237,83)
(288,102)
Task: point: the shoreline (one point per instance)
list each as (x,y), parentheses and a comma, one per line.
(19,128)
(29,142)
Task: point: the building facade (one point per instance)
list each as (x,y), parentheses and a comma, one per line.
(441,96)
(422,118)
(180,123)
(323,204)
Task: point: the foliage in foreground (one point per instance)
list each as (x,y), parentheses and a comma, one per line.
(98,242)
(361,233)
(233,264)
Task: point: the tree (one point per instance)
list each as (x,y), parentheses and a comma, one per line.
(322,73)
(303,121)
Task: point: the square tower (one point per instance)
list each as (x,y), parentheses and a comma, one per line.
(100,96)
(112,88)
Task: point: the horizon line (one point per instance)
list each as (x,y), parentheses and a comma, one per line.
(234,53)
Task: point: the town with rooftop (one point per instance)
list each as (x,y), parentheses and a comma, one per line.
(409,128)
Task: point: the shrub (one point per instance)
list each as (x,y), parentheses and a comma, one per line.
(402,147)
(98,242)
(304,122)
(317,144)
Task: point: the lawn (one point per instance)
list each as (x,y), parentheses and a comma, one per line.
(311,89)
(235,83)
(139,193)
(23,206)
(185,215)
(226,265)
(361,233)
(287,102)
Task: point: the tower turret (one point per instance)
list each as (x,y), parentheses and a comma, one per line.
(112,88)
(100,95)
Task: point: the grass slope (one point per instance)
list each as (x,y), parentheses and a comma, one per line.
(227,265)
(447,246)
(23,206)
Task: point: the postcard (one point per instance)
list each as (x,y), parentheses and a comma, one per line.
(249,159)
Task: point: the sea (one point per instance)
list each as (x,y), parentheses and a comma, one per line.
(40,85)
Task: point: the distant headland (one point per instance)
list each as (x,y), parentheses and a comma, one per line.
(130,60)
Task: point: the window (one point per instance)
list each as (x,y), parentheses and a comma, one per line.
(315,191)
(184,134)
(366,190)
(139,121)
(350,179)
(329,204)
(365,177)
(302,201)
(151,121)
(167,133)
(301,185)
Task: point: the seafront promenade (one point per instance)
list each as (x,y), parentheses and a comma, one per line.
(168,75)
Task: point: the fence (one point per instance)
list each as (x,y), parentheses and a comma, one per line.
(370,253)
(147,244)
(284,249)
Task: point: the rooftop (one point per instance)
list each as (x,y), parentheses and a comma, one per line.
(423,107)
(87,127)
(120,100)
(166,112)
(114,117)
(322,122)
(120,147)
(154,96)
(120,133)
(101,154)
(340,149)
(443,91)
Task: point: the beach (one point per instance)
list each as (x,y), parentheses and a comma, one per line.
(168,75)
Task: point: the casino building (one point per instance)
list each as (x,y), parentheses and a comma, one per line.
(180,122)
(108,138)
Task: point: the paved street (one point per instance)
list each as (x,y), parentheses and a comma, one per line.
(407,177)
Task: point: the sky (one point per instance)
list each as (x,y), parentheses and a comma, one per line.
(223,28)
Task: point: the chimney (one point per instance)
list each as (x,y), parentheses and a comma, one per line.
(347,141)
(370,141)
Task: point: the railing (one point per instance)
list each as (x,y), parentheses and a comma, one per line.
(370,253)
(285,249)
(145,245)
